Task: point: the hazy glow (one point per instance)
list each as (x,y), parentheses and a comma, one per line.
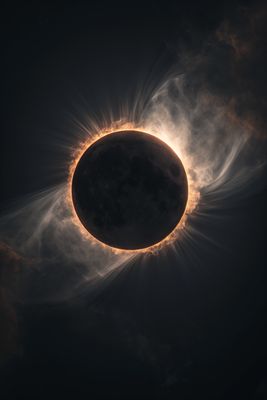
(220,163)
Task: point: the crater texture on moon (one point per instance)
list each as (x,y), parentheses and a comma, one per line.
(129,190)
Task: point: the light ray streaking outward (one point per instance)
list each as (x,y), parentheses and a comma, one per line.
(220,157)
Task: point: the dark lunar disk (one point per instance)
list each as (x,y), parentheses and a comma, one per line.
(129,190)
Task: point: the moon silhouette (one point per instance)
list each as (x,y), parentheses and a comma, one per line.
(129,190)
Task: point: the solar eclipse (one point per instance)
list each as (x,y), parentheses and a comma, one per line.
(129,190)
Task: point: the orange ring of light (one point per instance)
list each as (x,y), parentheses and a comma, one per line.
(190,204)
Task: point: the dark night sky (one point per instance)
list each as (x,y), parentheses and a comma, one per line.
(159,330)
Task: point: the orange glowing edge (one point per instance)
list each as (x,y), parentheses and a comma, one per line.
(192,199)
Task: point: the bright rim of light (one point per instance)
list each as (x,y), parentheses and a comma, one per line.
(193,194)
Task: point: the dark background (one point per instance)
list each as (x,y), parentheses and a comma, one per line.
(160,330)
